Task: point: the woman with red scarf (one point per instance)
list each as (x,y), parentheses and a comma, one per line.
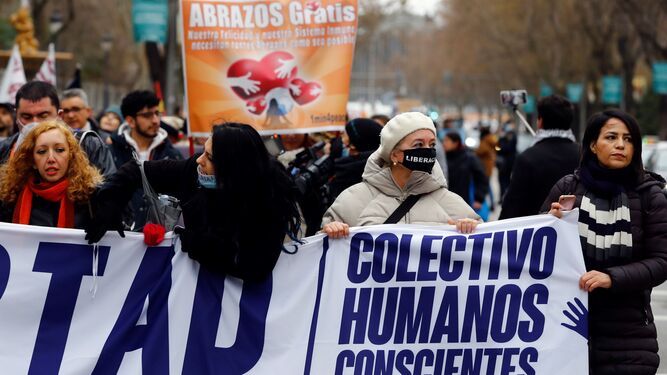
(48,181)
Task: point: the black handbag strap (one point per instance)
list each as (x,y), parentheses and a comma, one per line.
(402,209)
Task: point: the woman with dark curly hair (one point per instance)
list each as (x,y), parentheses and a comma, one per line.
(623,233)
(48,181)
(238,202)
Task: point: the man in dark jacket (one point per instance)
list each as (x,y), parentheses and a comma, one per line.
(553,155)
(465,170)
(6,120)
(37,101)
(142,137)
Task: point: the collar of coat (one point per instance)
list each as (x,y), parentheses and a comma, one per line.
(543,134)
(378,174)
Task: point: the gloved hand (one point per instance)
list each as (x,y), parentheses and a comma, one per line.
(199,245)
(188,241)
(102,221)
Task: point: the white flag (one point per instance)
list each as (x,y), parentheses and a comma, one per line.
(47,72)
(14,77)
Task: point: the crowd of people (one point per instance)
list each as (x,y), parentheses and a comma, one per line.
(61,167)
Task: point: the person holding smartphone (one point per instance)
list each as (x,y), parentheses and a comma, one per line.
(623,233)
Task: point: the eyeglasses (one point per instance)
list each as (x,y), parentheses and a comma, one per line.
(73,110)
(149,115)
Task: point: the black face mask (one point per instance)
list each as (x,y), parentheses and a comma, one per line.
(419,159)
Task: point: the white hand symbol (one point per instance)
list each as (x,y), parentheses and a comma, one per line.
(296,91)
(249,86)
(285,68)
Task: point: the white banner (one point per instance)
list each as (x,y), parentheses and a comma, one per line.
(389,299)
(47,71)
(13,78)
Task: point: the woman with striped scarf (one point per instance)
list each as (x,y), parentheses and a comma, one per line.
(623,232)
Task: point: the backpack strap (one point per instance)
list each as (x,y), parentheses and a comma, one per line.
(402,209)
(86,133)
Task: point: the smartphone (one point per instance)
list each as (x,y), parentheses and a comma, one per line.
(512,98)
(274,145)
(567,202)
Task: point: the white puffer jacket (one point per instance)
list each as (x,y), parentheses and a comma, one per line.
(371,201)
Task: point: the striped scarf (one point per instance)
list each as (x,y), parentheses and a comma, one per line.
(605,230)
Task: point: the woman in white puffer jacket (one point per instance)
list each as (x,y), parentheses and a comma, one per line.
(402,166)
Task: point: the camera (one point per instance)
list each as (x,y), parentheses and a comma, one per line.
(305,157)
(311,172)
(315,175)
(512,98)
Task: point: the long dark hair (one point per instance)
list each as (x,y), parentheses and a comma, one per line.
(595,124)
(255,187)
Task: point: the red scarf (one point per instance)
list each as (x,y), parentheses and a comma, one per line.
(50,191)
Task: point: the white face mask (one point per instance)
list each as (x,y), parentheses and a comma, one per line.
(25,128)
(23,131)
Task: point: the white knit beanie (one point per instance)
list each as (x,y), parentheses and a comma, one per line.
(400,126)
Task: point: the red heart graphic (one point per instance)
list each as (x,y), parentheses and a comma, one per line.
(258,77)
(304,92)
(256,106)
(312,5)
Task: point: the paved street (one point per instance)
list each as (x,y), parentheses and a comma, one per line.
(659,304)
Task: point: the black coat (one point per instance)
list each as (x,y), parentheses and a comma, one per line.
(622,335)
(535,172)
(505,158)
(214,236)
(122,153)
(348,172)
(464,169)
(45,213)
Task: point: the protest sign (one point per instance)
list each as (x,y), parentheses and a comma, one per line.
(280,66)
(388,299)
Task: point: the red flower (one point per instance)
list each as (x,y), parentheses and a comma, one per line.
(153,234)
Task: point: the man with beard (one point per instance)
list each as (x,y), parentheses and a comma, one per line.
(141,138)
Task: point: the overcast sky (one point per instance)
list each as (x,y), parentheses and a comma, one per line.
(423,6)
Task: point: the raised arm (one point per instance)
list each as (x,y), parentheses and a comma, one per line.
(172,177)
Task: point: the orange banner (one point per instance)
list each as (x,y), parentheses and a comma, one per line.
(280,66)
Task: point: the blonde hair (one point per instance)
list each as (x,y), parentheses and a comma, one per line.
(14,174)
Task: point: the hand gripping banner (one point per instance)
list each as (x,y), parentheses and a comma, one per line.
(390,299)
(280,66)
